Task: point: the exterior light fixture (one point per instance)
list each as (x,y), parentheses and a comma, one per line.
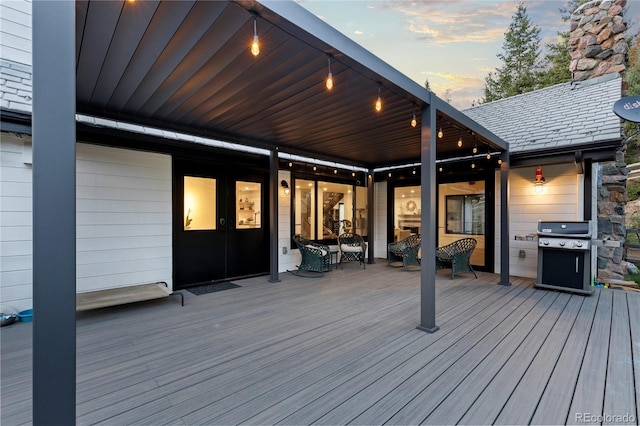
(285,185)
(459,140)
(290,164)
(475,148)
(488,155)
(499,160)
(440,168)
(353,173)
(414,122)
(414,171)
(440,134)
(378,101)
(329,82)
(255,46)
(389,174)
(538,184)
(473,165)
(335,171)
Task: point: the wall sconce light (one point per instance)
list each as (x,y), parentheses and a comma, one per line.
(285,185)
(538,184)
(255,46)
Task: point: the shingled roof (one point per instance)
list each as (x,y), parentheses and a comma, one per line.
(565,115)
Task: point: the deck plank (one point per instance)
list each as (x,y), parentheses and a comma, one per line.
(344,349)
(589,391)
(619,398)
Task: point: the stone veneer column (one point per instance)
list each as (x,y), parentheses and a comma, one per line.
(596,43)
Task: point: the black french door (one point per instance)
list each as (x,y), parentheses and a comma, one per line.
(220,222)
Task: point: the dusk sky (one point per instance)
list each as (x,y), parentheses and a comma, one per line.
(452,43)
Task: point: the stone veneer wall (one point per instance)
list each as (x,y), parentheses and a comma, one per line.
(596,43)
(597,46)
(612,199)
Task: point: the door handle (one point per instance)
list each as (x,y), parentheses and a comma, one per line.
(222,221)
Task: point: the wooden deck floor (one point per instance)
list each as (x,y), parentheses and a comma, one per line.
(344,350)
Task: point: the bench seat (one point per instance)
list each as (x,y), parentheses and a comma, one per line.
(122,295)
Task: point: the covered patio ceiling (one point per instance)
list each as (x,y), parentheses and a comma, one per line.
(186,66)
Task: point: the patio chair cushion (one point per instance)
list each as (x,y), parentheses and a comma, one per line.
(323,251)
(351,248)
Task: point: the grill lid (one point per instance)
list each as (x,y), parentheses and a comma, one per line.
(579,229)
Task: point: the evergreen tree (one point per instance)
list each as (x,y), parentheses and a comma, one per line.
(521,51)
(557,60)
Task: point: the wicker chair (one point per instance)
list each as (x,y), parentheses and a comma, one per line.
(456,256)
(352,247)
(405,253)
(315,257)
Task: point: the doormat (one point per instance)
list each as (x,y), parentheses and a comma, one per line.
(212,288)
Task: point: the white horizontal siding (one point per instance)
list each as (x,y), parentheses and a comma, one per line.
(16,233)
(123,218)
(15,31)
(561,200)
(123,215)
(380,226)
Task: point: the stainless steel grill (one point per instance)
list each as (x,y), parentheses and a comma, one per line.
(564,256)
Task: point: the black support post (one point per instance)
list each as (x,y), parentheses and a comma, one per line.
(504,219)
(428,220)
(54,213)
(273,216)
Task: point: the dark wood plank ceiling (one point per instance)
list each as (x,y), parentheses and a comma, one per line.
(186,66)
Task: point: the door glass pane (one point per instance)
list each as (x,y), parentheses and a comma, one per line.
(199,203)
(406,218)
(248,202)
(462,214)
(360,221)
(336,209)
(304,218)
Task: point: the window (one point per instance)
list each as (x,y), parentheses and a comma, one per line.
(199,203)
(248,202)
(324,210)
(465,214)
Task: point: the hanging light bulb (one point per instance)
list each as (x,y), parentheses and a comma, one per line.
(414,171)
(473,165)
(329,81)
(488,155)
(414,122)
(440,168)
(315,168)
(378,101)
(499,160)
(389,174)
(335,171)
(290,164)
(459,140)
(255,46)
(475,149)
(353,174)
(440,134)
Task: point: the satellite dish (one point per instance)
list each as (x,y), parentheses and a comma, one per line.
(628,108)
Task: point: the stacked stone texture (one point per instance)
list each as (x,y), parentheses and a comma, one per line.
(596,43)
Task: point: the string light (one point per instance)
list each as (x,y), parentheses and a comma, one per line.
(329,82)
(255,46)
(378,101)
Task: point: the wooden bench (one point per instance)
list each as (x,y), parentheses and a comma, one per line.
(122,295)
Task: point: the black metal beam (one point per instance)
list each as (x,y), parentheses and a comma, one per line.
(54,213)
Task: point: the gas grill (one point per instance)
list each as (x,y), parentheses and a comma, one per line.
(564,256)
